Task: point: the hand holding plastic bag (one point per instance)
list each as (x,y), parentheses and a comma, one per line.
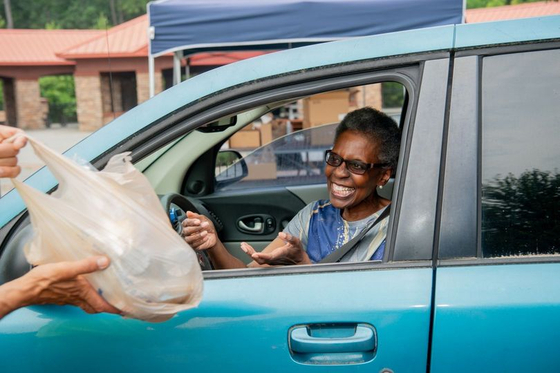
(114,212)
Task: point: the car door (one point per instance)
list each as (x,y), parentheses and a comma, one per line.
(497,298)
(355,316)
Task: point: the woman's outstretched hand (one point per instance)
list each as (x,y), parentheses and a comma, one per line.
(290,253)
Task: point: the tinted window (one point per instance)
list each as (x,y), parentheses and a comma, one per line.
(521,154)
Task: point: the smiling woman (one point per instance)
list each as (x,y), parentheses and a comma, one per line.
(367,144)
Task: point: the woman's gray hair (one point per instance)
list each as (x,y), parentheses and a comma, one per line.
(378,127)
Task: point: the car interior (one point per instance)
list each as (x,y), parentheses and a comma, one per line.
(250,172)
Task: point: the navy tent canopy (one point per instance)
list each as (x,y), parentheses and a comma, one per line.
(198,25)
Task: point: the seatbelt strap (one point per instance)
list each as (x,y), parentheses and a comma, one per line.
(336,255)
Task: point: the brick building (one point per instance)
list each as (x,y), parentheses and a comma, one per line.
(25,56)
(110,70)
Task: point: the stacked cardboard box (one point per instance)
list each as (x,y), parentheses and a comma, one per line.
(251,137)
(325,108)
(245,139)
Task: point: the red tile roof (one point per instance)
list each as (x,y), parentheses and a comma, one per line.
(129,39)
(525,10)
(39,47)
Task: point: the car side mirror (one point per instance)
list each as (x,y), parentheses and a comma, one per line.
(230,168)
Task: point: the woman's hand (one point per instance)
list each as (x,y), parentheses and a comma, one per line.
(199,232)
(290,253)
(9,149)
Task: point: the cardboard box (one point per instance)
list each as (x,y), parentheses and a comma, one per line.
(261,171)
(245,139)
(266,133)
(325,108)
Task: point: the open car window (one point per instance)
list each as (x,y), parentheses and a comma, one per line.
(286,146)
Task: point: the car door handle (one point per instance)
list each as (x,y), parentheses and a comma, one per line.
(258,226)
(338,338)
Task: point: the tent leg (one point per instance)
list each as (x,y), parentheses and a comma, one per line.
(151,74)
(177,56)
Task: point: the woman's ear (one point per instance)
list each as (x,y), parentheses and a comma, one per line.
(385,176)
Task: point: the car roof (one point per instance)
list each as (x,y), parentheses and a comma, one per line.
(442,38)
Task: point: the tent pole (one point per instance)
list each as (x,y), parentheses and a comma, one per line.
(151,75)
(177,56)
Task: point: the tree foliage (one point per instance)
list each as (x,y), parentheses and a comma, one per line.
(74,14)
(491,3)
(393,94)
(60,93)
(521,215)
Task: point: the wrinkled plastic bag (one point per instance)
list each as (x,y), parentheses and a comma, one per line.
(115,212)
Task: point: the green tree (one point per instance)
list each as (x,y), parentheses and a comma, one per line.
(392,94)
(60,92)
(74,14)
(52,25)
(492,3)
(102,22)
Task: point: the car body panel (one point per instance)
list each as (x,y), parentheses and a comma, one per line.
(506,32)
(248,322)
(501,315)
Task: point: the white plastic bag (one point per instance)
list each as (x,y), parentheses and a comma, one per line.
(153,274)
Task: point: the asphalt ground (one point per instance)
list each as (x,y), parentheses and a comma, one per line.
(57,138)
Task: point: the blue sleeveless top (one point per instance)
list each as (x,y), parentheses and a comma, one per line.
(322,230)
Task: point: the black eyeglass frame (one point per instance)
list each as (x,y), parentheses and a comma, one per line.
(355,171)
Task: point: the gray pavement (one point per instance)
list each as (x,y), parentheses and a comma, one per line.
(57,138)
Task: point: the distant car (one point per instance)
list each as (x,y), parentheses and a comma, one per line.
(470,279)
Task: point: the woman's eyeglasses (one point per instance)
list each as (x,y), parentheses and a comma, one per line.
(355,167)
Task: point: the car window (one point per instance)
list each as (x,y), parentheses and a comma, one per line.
(520,154)
(286,146)
(293,159)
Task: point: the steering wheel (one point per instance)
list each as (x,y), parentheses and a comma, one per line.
(176,206)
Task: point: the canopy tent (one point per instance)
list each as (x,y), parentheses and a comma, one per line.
(202,25)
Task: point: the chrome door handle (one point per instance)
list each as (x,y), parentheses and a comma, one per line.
(258,226)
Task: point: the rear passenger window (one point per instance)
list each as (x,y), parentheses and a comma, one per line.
(521,154)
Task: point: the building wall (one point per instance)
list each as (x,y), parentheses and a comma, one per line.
(89,103)
(143,85)
(88,97)
(369,95)
(29,110)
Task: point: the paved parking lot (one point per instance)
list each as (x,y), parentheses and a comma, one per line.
(56,137)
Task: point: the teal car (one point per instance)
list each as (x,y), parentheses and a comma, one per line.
(470,278)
